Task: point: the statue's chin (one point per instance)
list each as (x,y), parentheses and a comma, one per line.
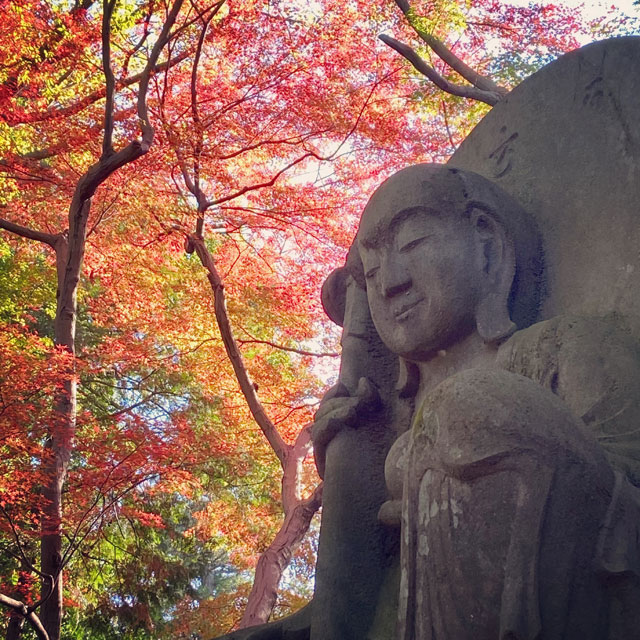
(436,347)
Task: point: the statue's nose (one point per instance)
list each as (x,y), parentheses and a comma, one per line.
(395,279)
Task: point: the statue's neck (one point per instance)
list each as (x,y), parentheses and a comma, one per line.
(469,353)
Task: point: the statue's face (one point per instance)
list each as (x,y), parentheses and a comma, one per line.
(423,273)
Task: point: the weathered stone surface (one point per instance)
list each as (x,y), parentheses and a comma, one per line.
(566,144)
(593,365)
(515,523)
(354,549)
(504,497)
(294,627)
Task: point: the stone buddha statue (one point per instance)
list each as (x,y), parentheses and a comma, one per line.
(513,479)
(518,508)
(481,451)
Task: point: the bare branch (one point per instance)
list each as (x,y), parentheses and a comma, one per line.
(464,91)
(199,14)
(163,38)
(194,110)
(198,127)
(261,185)
(31,234)
(110,80)
(293,469)
(78,536)
(403,6)
(293,141)
(446,55)
(281,347)
(19,171)
(80,105)
(39,154)
(186,176)
(111,162)
(280,447)
(51,580)
(450,58)
(143,38)
(276,557)
(22,556)
(193,183)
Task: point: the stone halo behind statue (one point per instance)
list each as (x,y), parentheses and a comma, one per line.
(565,143)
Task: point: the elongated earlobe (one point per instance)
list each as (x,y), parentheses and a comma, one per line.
(492,319)
(497,255)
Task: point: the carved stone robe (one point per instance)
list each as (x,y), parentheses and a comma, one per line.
(520,517)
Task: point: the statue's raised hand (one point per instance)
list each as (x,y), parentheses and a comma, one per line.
(339,410)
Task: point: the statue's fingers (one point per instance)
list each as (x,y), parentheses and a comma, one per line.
(325,429)
(368,396)
(337,391)
(333,405)
(320,434)
(344,416)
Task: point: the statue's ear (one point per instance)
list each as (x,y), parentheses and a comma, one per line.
(334,293)
(497,257)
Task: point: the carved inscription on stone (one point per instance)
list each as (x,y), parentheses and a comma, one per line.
(502,155)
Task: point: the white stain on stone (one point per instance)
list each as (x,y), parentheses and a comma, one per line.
(423,544)
(456,511)
(423,498)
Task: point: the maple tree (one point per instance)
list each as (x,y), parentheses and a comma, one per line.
(134,409)
(137,335)
(65,38)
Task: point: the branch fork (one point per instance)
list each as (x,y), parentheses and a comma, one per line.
(480,87)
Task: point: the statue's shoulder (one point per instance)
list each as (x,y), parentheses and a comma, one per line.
(593,365)
(574,347)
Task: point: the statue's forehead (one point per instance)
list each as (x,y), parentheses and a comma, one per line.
(384,228)
(421,188)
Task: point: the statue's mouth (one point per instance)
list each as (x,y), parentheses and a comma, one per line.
(405,310)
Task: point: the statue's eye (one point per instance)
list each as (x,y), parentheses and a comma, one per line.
(412,244)
(370,273)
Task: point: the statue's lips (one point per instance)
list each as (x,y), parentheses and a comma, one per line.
(404,311)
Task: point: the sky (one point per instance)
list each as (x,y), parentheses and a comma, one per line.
(591,9)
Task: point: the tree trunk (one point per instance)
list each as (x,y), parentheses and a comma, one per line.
(15,626)
(57,455)
(275,560)
(70,248)
(298,512)
(69,257)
